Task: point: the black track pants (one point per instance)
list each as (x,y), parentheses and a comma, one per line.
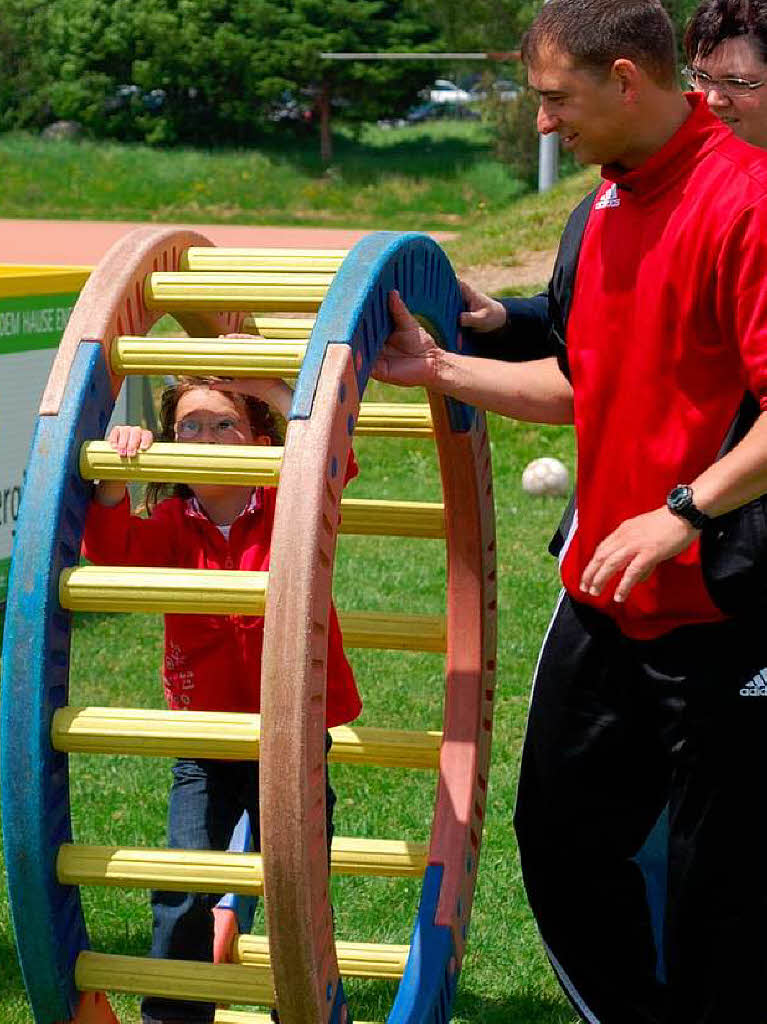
(617,730)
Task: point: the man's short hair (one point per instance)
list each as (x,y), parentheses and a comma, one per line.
(596,33)
(717,20)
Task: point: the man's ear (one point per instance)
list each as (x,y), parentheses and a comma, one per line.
(627,77)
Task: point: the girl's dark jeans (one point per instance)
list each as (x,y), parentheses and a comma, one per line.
(207,799)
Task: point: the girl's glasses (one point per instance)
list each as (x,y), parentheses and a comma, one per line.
(224,429)
(731,86)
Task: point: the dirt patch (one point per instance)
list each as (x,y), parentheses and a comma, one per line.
(530,267)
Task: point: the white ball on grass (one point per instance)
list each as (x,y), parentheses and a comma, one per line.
(546,476)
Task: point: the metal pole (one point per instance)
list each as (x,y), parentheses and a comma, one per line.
(548,159)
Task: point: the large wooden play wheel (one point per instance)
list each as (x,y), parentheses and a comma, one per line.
(212,291)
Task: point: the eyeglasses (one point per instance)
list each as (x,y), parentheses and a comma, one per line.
(731,86)
(223,430)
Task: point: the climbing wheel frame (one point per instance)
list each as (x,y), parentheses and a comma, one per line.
(338,323)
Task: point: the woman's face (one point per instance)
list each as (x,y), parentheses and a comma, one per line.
(744,112)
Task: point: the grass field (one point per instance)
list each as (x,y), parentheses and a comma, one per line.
(505,979)
(438,175)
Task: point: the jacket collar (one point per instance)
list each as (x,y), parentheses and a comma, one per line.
(194,509)
(700,133)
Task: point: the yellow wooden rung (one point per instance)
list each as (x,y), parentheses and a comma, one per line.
(234,259)
(240,1017)
(392,518)
(385,748)
(394,631)
(278,327)
(219,357)
(394,419)
(213,871)
(172,979)
(297,292)
(175,870)
(227,735)
(355,959)
(140,589)
(255,465)
(382,858)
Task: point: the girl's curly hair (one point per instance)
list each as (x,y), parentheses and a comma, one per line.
(260,416)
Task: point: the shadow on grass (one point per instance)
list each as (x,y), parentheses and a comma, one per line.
(522,1009)
(365,162)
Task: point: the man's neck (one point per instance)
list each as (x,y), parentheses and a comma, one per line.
(662,117)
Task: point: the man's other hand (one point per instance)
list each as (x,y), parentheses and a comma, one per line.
(483,314)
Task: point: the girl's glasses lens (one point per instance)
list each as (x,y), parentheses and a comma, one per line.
(222,430)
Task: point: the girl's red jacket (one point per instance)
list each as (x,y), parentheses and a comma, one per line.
(211,662)
(667,329)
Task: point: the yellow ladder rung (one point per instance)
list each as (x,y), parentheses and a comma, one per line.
(241,1017)
(175,462)
(392,518)
(244,1017)
(149,589)
(218,357)
(214,871)
(381,858)
(394,419)
(394,631)
(234,259)
(158,868)
(276,327)
(299,292)
(227,735)
(172,979)
(355,959)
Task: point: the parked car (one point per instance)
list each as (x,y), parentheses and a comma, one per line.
(442,111)
(502,89)
(445,91)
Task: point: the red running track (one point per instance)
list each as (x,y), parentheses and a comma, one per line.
(81,242)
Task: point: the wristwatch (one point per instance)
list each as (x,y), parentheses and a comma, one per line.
(679,502)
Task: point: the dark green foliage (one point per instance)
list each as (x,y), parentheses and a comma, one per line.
(200,71)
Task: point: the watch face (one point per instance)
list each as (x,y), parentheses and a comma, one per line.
(679,498)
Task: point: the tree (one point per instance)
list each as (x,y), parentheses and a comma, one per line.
(363,89)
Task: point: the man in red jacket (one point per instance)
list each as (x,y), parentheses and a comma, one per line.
(642,693)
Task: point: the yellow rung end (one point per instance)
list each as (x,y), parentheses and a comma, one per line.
(297,292)
(282,328)
(224,734)
(243,1017)
(150,589)
(394,632)
(394,419)
(213,871)
(240,1017)
(172,979)
(174,870)
(392,518)
(235,259)
(355,959)
(385,748)
(254,465)
(383,858)
(218,357)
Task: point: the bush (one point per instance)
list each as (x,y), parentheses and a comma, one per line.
(516,135)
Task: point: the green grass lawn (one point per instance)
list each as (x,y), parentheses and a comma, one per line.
(431,176)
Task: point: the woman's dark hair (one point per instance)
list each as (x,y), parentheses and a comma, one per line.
(717,20)
(596,33)
(261,418)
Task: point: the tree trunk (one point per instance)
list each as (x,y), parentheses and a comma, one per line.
(326,138)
